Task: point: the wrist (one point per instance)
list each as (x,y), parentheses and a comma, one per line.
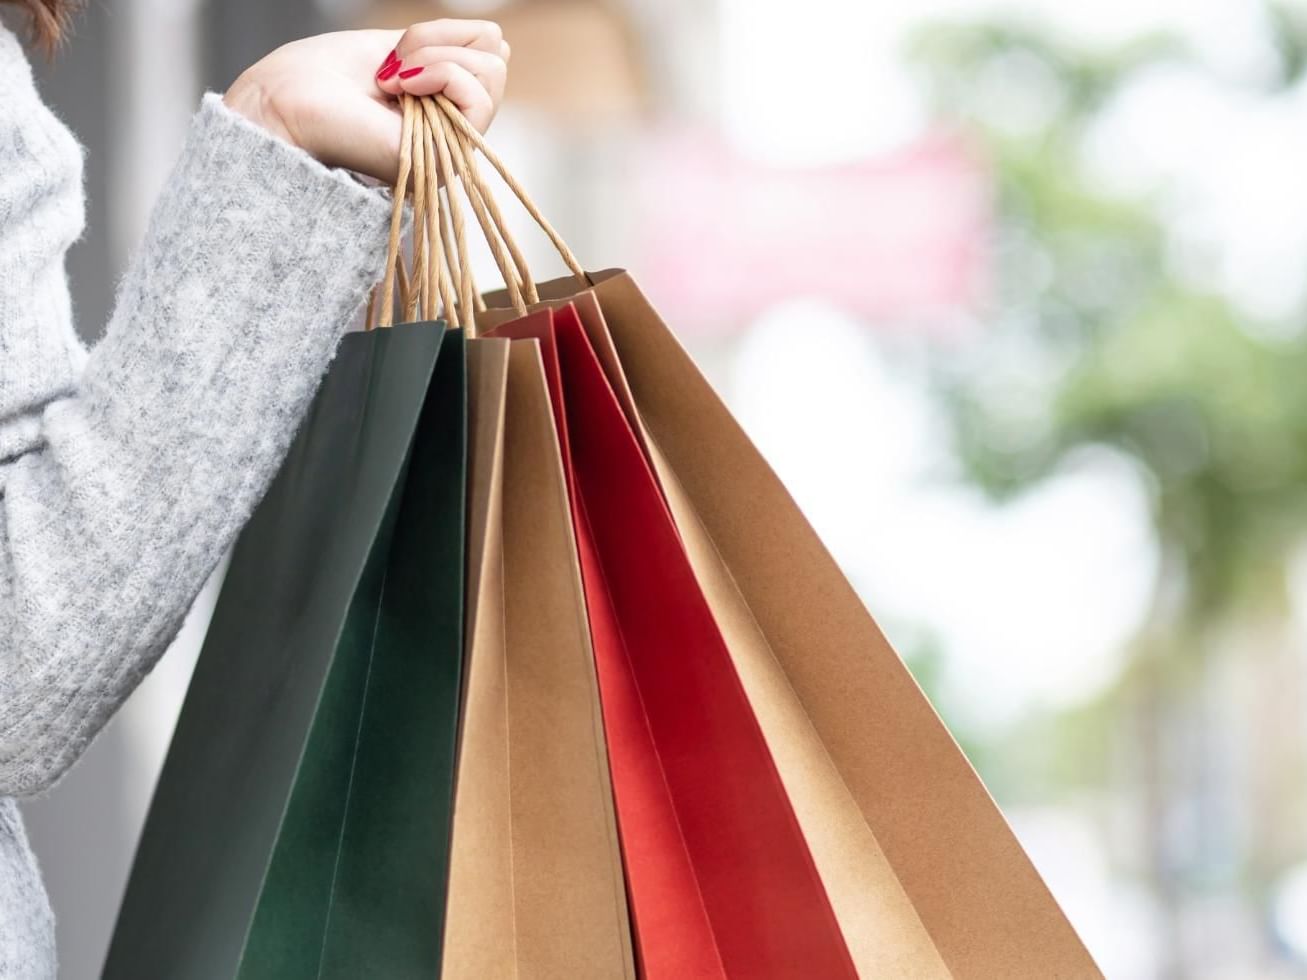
(249,98)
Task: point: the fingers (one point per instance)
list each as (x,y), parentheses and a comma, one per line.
(489,70)
(483,35)
(460,86)
(466,60)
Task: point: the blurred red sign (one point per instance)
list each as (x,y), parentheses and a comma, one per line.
(898,239)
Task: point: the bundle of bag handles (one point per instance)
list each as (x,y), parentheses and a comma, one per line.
(438,146)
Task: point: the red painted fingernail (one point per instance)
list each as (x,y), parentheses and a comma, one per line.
(390,60)
(412,71)
(390,71)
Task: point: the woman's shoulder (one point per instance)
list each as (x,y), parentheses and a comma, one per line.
(34,142)
(15,70)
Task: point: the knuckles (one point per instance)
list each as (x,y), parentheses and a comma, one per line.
(436,32)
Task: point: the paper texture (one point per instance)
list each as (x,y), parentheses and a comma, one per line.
(536,886)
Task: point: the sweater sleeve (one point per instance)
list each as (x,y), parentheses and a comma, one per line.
(255,259)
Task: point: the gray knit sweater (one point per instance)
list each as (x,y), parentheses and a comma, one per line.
(126,472)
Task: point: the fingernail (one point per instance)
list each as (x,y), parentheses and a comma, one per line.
(409,73)
(390,71)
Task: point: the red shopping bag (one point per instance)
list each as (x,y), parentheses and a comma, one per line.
(720,880)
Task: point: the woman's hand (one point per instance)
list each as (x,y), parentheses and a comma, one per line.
(334,95)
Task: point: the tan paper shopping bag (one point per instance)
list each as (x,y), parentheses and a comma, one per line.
(924,874)
(536,885)
(479,905)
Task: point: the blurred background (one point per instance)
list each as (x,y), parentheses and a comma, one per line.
(1013,296)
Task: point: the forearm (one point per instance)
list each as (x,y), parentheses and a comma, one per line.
(254,262)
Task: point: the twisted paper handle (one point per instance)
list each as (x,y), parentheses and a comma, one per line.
(437,145)
(469,133)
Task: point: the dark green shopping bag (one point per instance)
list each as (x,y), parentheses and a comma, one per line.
(300,827)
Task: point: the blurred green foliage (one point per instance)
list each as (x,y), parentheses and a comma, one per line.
(1101,333)
(1098,338)
(1288,26)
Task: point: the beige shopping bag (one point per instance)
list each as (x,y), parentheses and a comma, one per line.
(535,885)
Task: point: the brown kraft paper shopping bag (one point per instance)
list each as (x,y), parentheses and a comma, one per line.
(536,884)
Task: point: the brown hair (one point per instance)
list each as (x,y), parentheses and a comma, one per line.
(50,19)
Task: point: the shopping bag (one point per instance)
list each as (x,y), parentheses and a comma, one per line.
(479,911)
(297,824)
(536,886)
(388,888)
(922,872)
